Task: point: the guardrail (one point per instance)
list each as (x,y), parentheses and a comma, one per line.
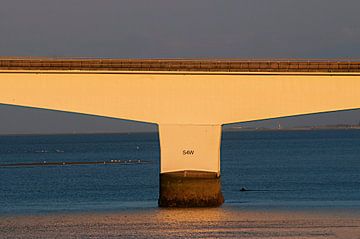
(198,65)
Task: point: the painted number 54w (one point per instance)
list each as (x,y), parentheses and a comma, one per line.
(188,152)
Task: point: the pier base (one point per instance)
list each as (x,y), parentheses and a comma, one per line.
(190,189)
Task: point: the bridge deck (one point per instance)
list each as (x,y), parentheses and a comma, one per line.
(194,65)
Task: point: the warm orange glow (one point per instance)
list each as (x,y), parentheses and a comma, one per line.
(190,108)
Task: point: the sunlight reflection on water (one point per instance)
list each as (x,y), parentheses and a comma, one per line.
(185,223)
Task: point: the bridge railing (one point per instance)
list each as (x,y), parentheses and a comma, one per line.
(194,65)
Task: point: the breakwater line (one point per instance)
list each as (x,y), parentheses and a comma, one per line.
(45,163)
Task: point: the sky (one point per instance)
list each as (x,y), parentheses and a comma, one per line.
(172,29)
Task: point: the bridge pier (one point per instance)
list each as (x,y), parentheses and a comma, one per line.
(190,166)
(190,189)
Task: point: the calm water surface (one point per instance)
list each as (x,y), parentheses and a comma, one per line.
(283,169)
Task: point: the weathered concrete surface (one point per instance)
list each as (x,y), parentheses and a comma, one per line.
(190,189)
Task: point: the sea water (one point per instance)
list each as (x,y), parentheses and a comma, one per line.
(278,169)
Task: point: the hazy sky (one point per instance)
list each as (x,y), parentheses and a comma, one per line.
(172,29)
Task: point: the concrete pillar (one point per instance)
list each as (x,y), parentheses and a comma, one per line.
(190,166)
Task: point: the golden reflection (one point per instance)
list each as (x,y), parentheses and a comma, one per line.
(224,222)
(191,214)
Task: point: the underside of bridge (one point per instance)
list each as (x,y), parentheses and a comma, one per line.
(188,99)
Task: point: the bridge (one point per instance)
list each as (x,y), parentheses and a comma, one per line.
(189,100)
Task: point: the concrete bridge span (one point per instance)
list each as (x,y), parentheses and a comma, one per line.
(188,99)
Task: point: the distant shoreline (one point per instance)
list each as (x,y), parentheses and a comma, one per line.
(231,129)
(85,133)
(304,128)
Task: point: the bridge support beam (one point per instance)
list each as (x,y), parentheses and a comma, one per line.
(190,166)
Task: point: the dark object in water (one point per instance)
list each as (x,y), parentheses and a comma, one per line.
(243,189)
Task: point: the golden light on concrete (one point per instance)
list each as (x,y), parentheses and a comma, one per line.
(189,100)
